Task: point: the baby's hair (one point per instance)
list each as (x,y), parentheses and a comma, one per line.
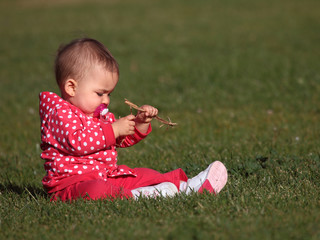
(77,57)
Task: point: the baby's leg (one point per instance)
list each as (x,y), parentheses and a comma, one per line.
(99,189)
(92,189)
(151,183)
(149,177)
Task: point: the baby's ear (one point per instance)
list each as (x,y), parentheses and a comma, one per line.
(70,87)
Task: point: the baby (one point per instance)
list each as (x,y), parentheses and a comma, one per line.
(79,135)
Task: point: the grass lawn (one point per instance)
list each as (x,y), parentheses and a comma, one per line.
(240,77)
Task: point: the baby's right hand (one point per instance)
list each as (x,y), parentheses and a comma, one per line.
(124,126)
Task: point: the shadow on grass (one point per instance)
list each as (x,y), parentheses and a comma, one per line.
(30,189)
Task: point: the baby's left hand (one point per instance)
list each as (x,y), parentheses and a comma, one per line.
(146,117)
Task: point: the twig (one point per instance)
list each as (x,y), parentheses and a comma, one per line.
(132,105)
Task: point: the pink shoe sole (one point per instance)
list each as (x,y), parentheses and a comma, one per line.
(216,179)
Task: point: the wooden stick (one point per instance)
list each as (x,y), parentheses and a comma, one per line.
(132,105)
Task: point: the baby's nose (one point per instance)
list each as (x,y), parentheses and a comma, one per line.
(106,100)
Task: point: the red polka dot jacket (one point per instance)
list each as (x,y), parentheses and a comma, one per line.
(77,147)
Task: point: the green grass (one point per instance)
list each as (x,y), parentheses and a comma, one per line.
(240,77)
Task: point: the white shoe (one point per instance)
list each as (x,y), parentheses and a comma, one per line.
(213,179)
(166,189)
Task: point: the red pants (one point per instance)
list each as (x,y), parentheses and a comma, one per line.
(118,186)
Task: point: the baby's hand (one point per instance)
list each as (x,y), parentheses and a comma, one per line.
(146,116)
(124,126)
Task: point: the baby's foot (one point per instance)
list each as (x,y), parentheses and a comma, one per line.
(213,179)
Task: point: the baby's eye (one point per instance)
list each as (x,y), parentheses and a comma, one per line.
(99,94)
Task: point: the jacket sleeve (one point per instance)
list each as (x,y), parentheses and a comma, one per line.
(133,139)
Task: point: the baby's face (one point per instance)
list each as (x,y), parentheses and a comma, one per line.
(94,89)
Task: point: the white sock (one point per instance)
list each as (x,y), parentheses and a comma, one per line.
(183,186)
(166,189)
(136,194)
(194,184)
